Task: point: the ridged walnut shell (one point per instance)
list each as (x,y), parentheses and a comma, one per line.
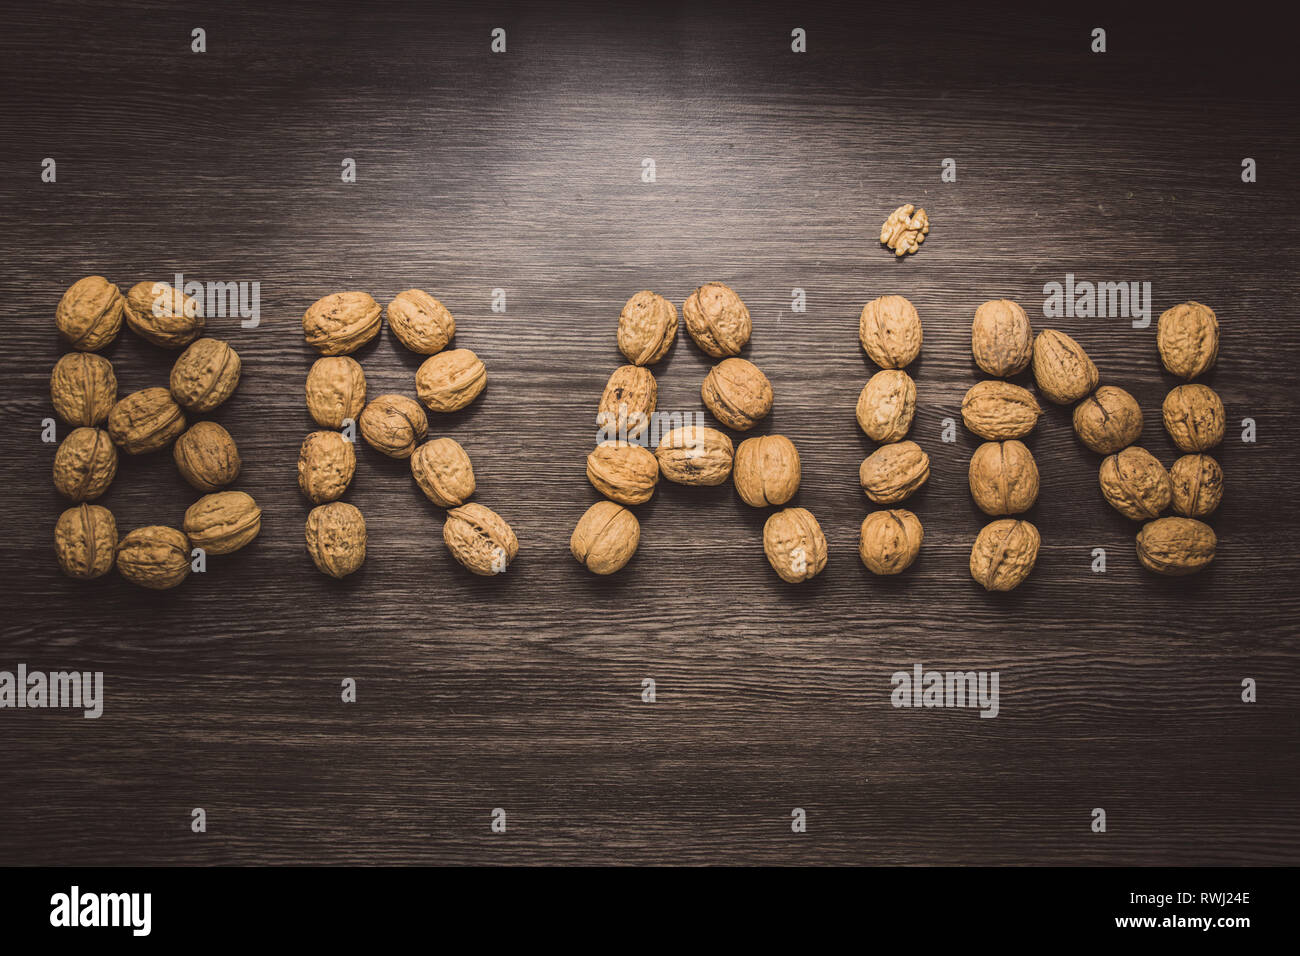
(1004,553)
(1176,546)
(326,463)
(154,557)
(1188,339)
(85,541)
(890,541)
(1107,420)
(1194,417)
(443,471)
(336,391)
(737,393)
(449,381)
(340,323)
(887,405)
(393,425)
(794,545)
(206,457)
(163,315)
(89,315)
(479,539)
(605,538)
(623,472)
(767,470)
(222,523)
(893,472)
(890,331)
(420,321)
(627,403)
(83,388)
(647,327)
(997,411)
(1001,338)
(1198,485)
(145,421)
(717,320)
(1135,483)
(336,538)
(85,464)
(1062,369)
(205,375)
(695,455)
(1003,478)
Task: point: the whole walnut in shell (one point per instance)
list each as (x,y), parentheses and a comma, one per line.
(1135,483)
(695,455)
(647,327)
(1107,420)
(1198,485)
(794,545)
(1176,546)
(890,541)
(623,472)
(336,391)
(222,523)
(627,403)
(443,471)
(605,538)
(154,557)
(420,321)
(737,393)
(326,463)
(767,470)
(717,320)
(1004,553)
(1001,338)
(887,405)
(145,421)
(83,388)
(893,472)
(340,323)
(997,411)
(89,315)
(336,538)
(449,381)
(890,331)
(1062,369)
(85,541)
(205,375)
(206,457)
(394,425)
(1003,478)
(1194,417)
(85,464)
(1188,339)
(479,539)
(163,315)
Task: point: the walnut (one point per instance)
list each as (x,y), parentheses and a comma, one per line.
(737,393)
(162,315)
(996,410)
(647,327)
(1176,546)
(205,375)
(794,545)
(1194,417)
(695,455)
(479,539)
(887,405)
(420,322)
(890,541)
(449,381)
(154,557)
(340,323)
(394,425)
(893,472)
(85,541)
(627,403)
(89,315)
(717,320)
(1107,420)
(145,421)
(1004,553)
(1198,485)
(222,523)
(1188,339)
(326,464)
(85,464)
(336,538)
(206,457)
(336,391)
(1003,478)
(624,472)
(905,229)
(1062,369)
(83,388)
(1135,483)
(767,470)
(605,538)
(443,471)
(890,331)
(1001,338)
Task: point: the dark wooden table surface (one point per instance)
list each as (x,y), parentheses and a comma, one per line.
(522,171)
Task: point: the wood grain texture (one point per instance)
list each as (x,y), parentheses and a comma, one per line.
(774,171)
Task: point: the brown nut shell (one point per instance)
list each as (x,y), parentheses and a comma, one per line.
(890,541)
(997,411)
(1135,483)
(145,421)
(695,455)
(717,320)
(326,463)
(89,315)
(890,331)
(893,472)
(1194,417)
(393,425)
(1198,485)
(222,523)
(206,457)
(163,315)
(479,539)
(737,393)
(623,472)
(1004,553)
(794,545)
(647,327)
(85,464)
(336,391)
(1188,339)
(1062,369)
(443,471)
(155,557)
(767,470)
(627,403)
(85,541)
(1001,338)
(342,322)
(1108,420)
(449,381)
(887,405)
(1176,546)
(420,321)
(336,538)
(205,375)
(605,538)
(83,388)
(1003,478)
